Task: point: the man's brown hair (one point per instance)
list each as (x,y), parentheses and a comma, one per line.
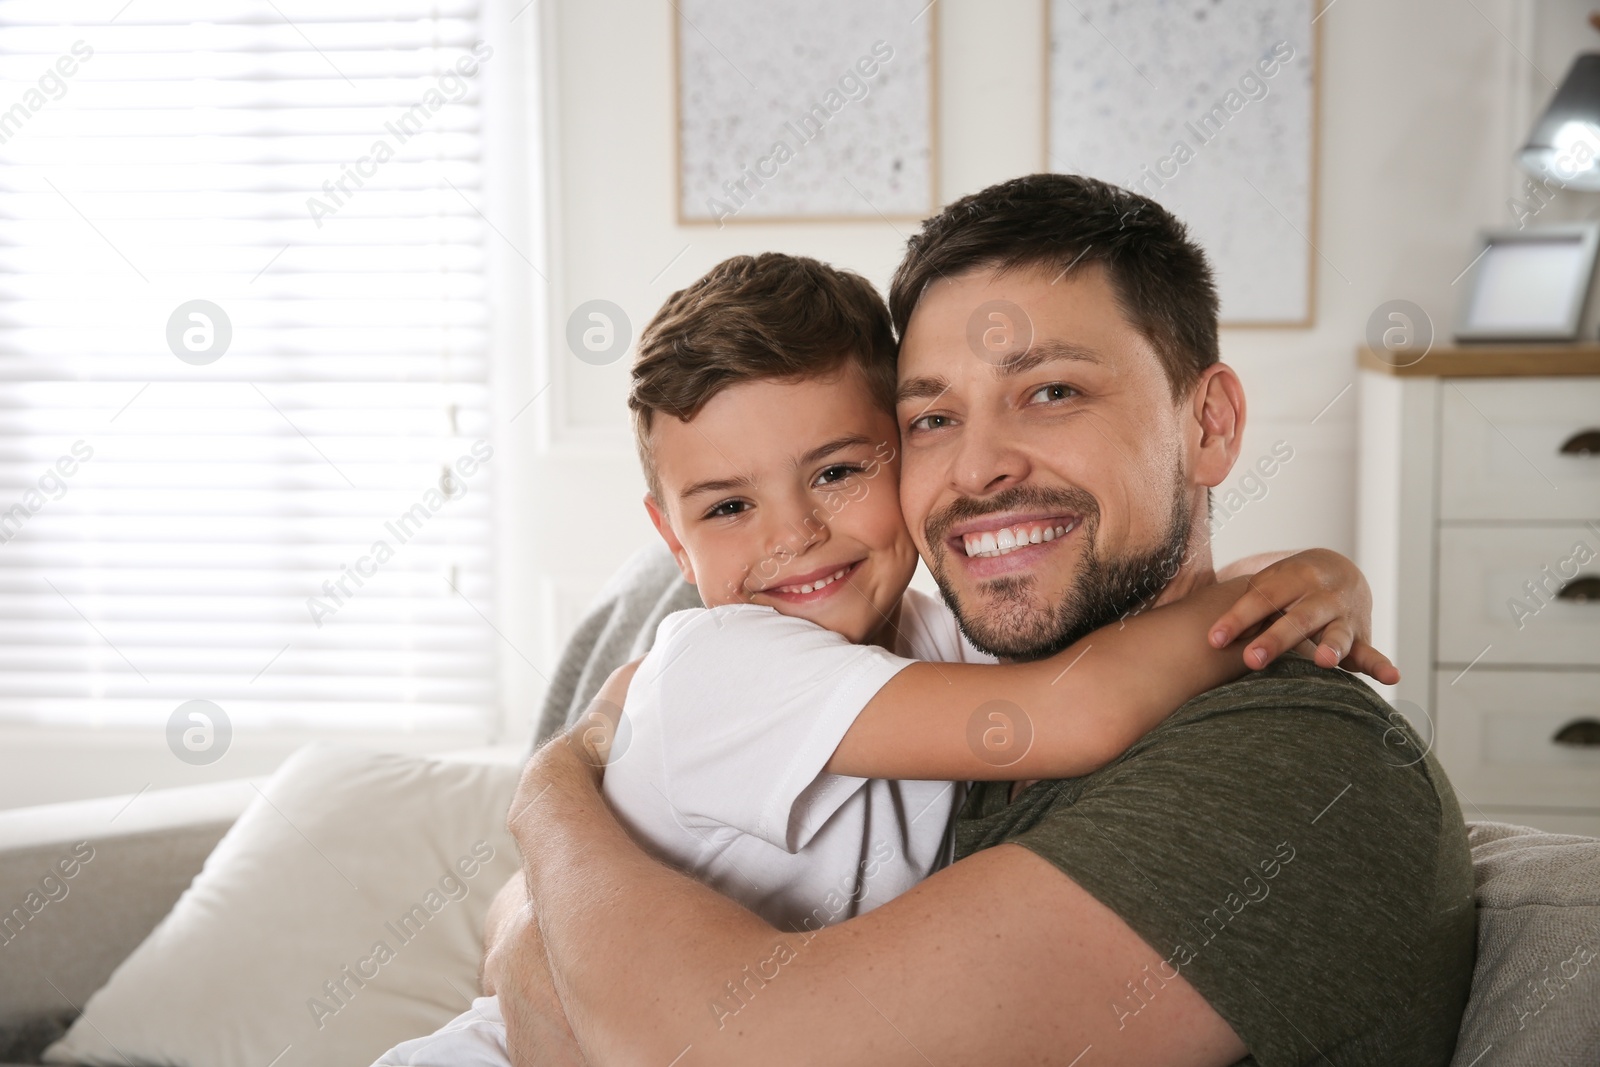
(757,318)
(1057,222)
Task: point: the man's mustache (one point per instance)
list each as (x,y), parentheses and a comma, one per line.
(1017,498)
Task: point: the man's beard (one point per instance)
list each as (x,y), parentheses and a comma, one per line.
(1016,624)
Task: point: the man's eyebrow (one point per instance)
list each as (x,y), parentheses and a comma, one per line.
(1047,351)
(823,451)
(715,485)
(925,388)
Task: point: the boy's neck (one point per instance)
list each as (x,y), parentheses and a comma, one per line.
(887,635)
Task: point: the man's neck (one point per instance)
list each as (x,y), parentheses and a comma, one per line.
(1194,573)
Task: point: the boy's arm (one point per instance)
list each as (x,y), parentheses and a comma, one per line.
(1055,718)
(1321,600)
(1248,565)
(1324,606)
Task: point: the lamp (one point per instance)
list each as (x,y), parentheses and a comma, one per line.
(1564,146)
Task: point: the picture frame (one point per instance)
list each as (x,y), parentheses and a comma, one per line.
(713,97)
(1266,272)
(1530,284)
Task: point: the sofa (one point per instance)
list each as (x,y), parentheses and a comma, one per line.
(1536,988)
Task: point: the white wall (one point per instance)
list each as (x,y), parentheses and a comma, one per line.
(1421,104)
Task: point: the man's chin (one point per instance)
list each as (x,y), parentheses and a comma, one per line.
(1006,617)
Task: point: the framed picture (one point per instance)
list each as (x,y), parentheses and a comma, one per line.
(808,112)
(1529,284)
(1209,108)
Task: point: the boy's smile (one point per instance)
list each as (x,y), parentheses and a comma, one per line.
(786,493)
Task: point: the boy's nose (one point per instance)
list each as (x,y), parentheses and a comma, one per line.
(797,532)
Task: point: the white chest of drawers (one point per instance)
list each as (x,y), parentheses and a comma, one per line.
(1479,527)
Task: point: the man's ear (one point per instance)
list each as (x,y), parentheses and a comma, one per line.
(664,527)
(1218,413)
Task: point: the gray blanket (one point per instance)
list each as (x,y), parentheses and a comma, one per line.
(620,626)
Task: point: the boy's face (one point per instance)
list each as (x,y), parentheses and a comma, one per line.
(786,494)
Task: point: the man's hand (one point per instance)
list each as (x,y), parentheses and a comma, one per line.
(512,898)
(563,773)
(596,729)
(1324,600)
(518,972)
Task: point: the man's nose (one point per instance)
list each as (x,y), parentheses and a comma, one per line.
(987,460)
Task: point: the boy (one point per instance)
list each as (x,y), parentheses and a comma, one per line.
(800,743)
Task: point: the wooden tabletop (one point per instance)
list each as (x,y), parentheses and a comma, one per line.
(1487,361)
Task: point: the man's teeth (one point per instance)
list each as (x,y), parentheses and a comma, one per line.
(1011,538)
(812,587)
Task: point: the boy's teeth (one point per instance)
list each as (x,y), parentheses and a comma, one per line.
(1011,538)
(812,587)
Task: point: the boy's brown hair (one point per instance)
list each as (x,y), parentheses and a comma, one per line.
(757,318)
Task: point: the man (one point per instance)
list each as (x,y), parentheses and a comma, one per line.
(1278,871)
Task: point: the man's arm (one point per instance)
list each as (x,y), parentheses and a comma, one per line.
(999,958)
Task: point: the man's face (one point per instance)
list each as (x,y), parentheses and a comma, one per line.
(1046,484)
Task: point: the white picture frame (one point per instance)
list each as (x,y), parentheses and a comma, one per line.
(1530,284)
(1126,86)
(848,88)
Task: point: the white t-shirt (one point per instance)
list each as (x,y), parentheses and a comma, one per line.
(730,721)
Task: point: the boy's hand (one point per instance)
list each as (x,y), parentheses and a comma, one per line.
(1324,599)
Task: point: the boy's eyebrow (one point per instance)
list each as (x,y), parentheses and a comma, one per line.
(823,451)
(715,485)
(744,481)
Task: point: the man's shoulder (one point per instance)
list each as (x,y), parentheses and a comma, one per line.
(1290,683)
(1237,741)
(1296,713)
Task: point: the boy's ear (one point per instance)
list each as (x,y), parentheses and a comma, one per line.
(664,528)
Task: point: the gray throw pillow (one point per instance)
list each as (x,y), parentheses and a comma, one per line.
(1536,987)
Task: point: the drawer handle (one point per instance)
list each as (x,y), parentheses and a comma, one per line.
(1580,733)
(1582,589)
(1582,443)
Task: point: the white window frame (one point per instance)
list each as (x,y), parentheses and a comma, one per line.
(49,763)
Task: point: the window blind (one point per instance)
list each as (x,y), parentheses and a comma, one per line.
(245,445)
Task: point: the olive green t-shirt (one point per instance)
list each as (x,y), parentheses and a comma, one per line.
(1289,846)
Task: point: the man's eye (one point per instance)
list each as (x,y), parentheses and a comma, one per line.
(837,473)
(727,507)
(929,422)
(1053,391)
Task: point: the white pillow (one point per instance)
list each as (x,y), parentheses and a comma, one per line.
(343,913)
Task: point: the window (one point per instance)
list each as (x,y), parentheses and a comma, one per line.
(245,409)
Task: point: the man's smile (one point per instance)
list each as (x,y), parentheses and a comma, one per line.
(993,545)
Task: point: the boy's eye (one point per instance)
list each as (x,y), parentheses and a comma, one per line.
(727,507)
(929,422)
(836,473)
(1053,391)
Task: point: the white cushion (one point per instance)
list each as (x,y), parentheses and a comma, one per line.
(341,914)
